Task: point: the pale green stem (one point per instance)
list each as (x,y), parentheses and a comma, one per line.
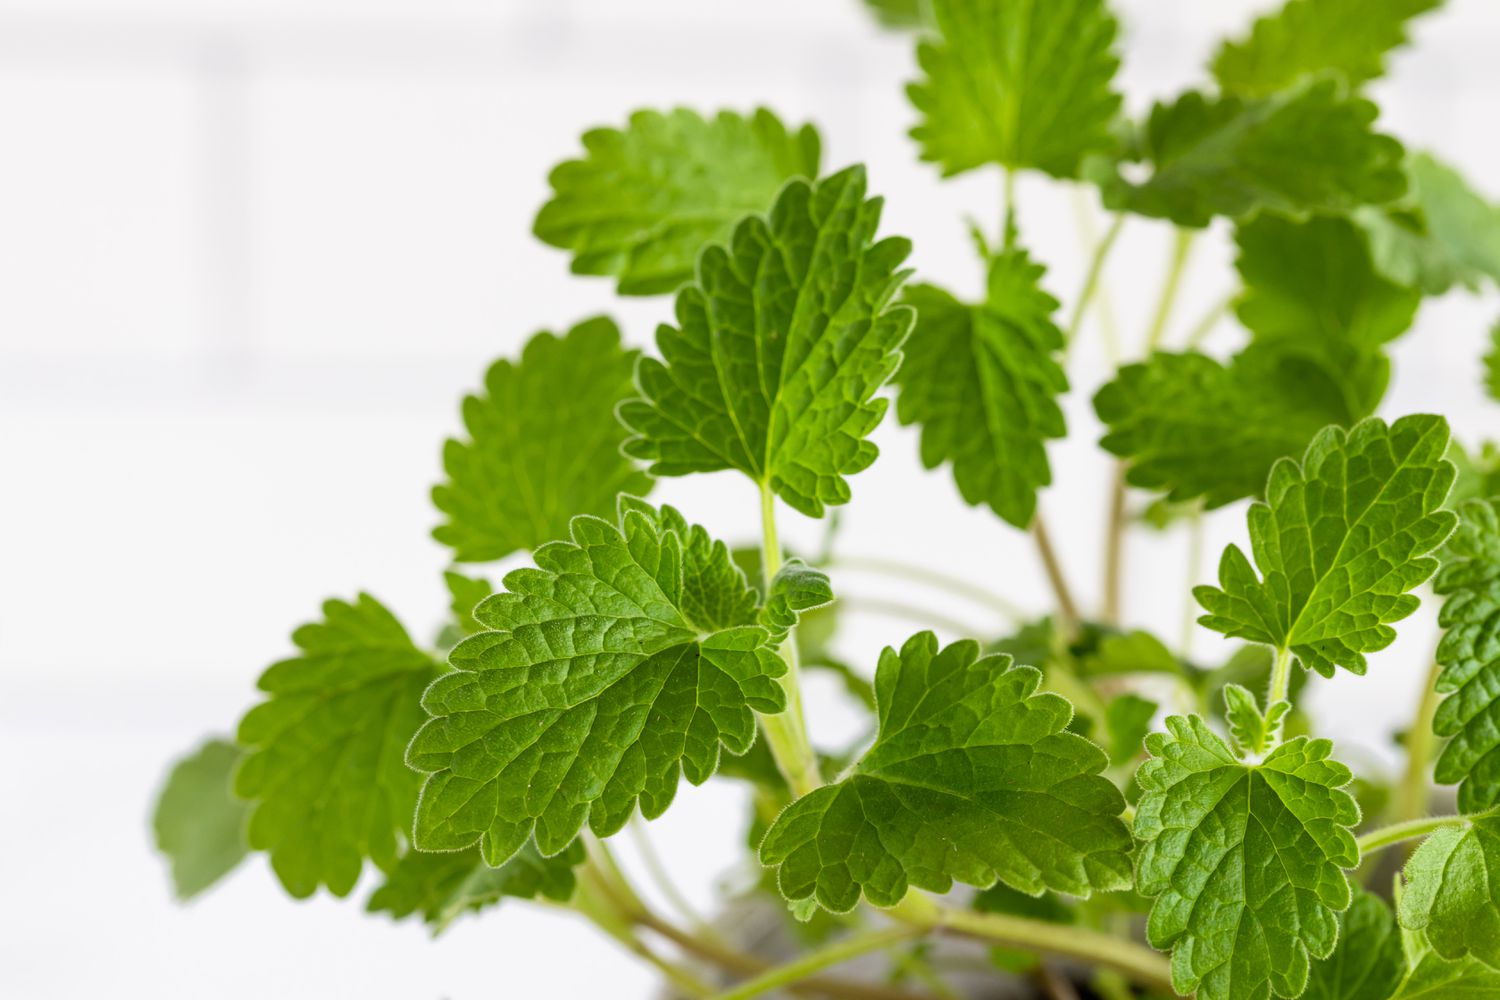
(1088,236)
(1114,546)
(1411,795)
(1281,677)
(1205,326)
(1008,209)
(933,578)
(1385,836)
(1194,567)
(1138,962)
(594,900)
(912,613)
(1181,245)
(664,882)
(816,961)
(1091,279)
(1067,608)
(786,732)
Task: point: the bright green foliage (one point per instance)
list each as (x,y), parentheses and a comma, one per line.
(1315,279)
(1368,962)
(1194,427)
(1431,977)
(1128,719)
(1340,541)
(972,778)
(1245,860)
(1307,150)
(199,824)
(781,344)
(324,767)
(544,445)
(1492,365)
(441,887)
(1319,312)
(796,588)
(1470,656)
(465,593)
(983,382)
(1442,234)
(1453,891)
(1305,37)
(1253,731)
(897,14)
(645,198)
(1021,83)
(1136,652)
(615,665)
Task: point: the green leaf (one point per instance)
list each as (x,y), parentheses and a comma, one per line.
(782,342)
(1128,719)
(1245,860)
(645,199)
(543,445)
(324,766)
(1368,962)
(1021,83)
(1453,891)
(898,15)
(1253,731)
(1135,652)
(199,824)
(1469,718)
(1492,365)
(971,779)
(441,887)
(1314,279)
(609,673)
(1478,473)
(1433,978)
(1193,427)
(1442,234)
(1310,149)
(1340,542)
(465,593)
(796,588)
(1305,37)
(983,381)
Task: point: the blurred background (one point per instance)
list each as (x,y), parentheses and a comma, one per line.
(253,252)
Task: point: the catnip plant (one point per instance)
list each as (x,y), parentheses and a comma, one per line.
(1032,801)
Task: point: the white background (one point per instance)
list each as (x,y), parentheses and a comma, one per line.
(251,255)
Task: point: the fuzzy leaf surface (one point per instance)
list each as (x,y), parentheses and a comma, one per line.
(544,445)
(1368,963)
(983,382)
(1469,717)
(1431,977)
(1019,83)
(1340,541)
(1311,149)
(1245,860)
(1453,891)
(324,767)
(1305,37)
(607,674)
(441,887)
(1194,427)
(972,778)
(796,588)
(782,341)
(644,199)
(198,823)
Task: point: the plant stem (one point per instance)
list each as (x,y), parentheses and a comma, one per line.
(786,732)
(1008,208)
(1114,546)
(1281,678)
(1091,279)
(1181,245)
(1067,608)
(1194,567)
(1411,794)
(901,609)
(595,901)
(1138,962)
(815,961)
(663,879)
(750,965)
(1385,836)
(1205,326)
(1088,236)
(933,578)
